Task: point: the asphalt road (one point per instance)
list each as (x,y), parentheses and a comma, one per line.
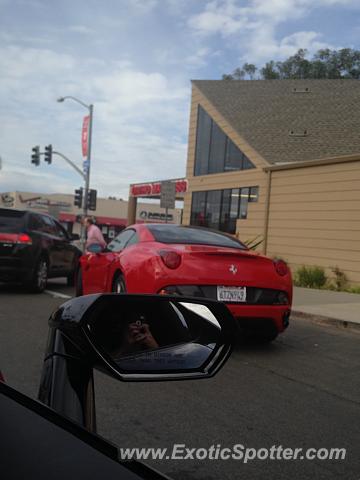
(301,391)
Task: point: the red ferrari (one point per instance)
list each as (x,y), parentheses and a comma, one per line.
(193,261)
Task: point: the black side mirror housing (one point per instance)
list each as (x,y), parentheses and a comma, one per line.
(131,338)
(148,337)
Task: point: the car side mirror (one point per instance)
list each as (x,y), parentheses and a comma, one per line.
(131,338)
(149,337)
(94,248)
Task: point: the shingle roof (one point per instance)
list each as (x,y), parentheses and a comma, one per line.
(265,112)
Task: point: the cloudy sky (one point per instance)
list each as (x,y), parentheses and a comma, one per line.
(134,59)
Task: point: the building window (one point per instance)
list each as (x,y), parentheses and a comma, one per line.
(213,207)
(217,149)
(220,209)
(254,194)
(198,208)
(215,152)
(202,143)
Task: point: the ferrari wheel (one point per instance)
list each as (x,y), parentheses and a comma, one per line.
(118,284)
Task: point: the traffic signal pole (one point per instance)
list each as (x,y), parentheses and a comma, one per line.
(72,164)
(35,159)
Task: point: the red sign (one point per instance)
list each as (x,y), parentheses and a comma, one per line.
(85,136)
(148,189)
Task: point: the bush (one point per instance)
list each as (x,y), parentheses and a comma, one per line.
(340,280)
(310,277)
(253,243)
(353,289)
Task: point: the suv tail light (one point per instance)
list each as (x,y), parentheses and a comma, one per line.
(281,267)
(24,238)
(170,258)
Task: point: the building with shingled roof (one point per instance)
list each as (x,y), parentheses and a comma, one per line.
(279,161)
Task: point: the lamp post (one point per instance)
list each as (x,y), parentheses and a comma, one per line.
(90,109)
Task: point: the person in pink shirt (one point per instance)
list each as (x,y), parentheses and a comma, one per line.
(93,233)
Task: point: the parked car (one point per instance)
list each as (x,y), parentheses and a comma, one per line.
(193,261)
(193,340)
(33,248)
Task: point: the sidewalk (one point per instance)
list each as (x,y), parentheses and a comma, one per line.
(334,307)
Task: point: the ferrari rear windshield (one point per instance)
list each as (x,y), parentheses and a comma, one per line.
(11,221)
(193,236)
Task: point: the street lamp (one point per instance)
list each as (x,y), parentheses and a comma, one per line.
(90,108)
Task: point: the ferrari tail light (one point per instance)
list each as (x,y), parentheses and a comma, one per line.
(24,238)
(281,267)
(170,258)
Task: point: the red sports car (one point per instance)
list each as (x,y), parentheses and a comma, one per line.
(193,261)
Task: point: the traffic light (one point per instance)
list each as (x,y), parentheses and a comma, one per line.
(91,204)
(48,154)
(78,199)
(35,157)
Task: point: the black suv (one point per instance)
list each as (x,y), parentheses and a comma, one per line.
(34,247)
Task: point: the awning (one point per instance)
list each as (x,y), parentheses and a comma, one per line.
(111,221)
(67,217)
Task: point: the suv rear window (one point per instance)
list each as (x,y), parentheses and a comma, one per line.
(11,221)
(193,236)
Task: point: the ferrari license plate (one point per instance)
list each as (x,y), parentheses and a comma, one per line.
(231,294)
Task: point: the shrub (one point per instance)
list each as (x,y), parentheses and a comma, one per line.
(253,243)
(310,277)
(340,280)
(353,289)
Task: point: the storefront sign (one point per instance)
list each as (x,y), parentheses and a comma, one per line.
(144,215)
(154,189)
(43,203)
(7,200)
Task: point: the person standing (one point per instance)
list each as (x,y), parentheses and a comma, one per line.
(93,233)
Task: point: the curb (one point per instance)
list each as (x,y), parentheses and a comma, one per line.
(323,320)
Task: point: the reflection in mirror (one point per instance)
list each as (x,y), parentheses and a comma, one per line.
(152,336)
(203,311)
(176,357)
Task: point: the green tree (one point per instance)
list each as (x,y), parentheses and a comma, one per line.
(270,71)
(239,74)
(325,63)
(250,70)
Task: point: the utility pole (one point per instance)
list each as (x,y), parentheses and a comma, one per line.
(87,140)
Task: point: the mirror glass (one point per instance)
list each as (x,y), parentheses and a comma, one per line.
(154,334)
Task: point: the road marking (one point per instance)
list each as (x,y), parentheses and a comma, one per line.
(57,294)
